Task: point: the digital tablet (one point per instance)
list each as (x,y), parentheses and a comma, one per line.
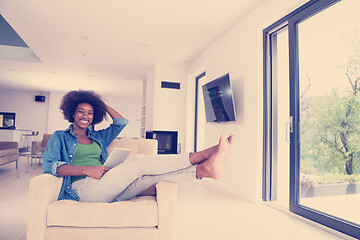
(117,156)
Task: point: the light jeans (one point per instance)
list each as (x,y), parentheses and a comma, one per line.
(135,175)
(146,181)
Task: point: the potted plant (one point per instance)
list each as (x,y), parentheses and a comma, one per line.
(330,184)
(306,186)
(354,185)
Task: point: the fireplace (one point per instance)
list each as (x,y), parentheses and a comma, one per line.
(167,141)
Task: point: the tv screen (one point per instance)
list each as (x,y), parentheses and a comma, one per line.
(7,120)
(218,100)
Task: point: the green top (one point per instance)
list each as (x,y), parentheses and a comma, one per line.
(86,155)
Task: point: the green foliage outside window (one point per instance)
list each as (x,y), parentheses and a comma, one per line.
(330,128)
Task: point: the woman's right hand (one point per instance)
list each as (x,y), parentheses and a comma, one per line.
(92,171)
(112,112)
(95,171)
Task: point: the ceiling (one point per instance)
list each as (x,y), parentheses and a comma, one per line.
(108,46)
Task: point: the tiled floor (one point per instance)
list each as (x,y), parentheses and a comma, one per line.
(204,212)
(13,199)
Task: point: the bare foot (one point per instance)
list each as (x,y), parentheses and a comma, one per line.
(199,157)
(213,167)
(230,138)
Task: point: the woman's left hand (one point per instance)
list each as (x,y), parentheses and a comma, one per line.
(95,171)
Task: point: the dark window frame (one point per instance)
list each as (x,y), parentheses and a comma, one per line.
(196,107)
(291,20)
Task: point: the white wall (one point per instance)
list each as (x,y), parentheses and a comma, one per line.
(165,108)
(56,119)
(150,100)
(239,52)
(129,108)
(30,115)
(168,102)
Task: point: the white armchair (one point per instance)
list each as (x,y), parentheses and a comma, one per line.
(143,217)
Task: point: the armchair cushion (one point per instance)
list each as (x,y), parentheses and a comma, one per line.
(61,233)
(7,152)
(137,212)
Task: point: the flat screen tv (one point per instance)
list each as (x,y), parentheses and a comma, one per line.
(7,120)
(218,100)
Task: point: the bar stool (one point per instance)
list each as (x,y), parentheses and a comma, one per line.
(25,146)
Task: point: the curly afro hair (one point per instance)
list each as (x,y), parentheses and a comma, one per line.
(72,99)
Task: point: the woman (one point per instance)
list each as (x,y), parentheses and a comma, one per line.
(78,153)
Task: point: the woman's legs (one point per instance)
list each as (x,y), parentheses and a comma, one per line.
(213,166)
(199,157)
(117,179)
(211,161)
(144,182)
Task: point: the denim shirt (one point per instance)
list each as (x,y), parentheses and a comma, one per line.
(61,148)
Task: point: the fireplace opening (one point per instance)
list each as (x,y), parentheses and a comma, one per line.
(167,141)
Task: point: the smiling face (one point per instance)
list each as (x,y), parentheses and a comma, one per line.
(84,115)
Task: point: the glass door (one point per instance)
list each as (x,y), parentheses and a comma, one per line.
(325,104)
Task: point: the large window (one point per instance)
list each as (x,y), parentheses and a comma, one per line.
(312,113)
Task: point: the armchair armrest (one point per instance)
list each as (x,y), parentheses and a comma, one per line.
(166,196)
(43,189)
